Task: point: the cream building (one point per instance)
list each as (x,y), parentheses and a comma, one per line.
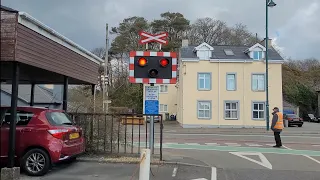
(223,86)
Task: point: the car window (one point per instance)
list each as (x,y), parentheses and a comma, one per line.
(3,112)
(58,118)
(291,115)
(23,117)
(311,116)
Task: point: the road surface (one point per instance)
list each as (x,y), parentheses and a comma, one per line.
(218,155)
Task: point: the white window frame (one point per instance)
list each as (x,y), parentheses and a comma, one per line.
(200,77)
(259,110)
(163,108)
(259,55)
(209,109)
(235,81)
(165,88)
(237,110)
(258,82)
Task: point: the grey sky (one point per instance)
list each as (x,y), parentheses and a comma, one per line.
(293,23)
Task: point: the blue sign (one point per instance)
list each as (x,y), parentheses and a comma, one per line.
(151,106)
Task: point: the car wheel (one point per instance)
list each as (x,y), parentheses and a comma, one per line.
(300,125)
(36,162)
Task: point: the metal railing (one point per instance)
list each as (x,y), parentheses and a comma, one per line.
(119,133)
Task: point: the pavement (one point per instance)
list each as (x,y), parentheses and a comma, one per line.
(215,155)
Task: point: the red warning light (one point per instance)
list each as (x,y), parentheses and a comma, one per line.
(142,61)
(164,62)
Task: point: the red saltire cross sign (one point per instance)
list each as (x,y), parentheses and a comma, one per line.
(147,38)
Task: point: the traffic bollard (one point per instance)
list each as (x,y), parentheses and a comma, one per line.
(144,173)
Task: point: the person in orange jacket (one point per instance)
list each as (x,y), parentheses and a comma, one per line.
(277,126)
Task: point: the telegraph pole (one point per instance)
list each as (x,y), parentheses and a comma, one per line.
(105,103)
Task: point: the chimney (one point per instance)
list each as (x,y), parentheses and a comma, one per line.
(185,42)
(269,43)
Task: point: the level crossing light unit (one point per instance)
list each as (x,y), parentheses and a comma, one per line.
(153,67)
(269,3)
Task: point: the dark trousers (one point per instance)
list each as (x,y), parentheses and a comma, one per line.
(277,138)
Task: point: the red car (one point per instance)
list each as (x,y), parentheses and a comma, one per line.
(43,137)
(293,119)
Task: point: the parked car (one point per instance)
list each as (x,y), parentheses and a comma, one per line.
(310,118)
(293,119)
(155,119)
(43,137)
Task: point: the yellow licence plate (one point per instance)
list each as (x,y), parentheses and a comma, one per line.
(74,136)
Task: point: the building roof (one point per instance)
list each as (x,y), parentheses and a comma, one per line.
(8,9)
(37,26)
(32,23)
(219,52)
(41,95)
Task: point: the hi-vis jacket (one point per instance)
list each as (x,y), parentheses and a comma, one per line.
(277,122)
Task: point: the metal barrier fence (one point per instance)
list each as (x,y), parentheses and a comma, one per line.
(119,133)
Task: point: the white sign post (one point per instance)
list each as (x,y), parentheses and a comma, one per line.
(151,107)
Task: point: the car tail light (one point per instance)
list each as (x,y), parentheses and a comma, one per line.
(58,133)
(301,119)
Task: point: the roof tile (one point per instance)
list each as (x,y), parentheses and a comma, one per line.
(218,53)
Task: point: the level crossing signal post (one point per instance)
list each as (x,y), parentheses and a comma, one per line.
(152,67)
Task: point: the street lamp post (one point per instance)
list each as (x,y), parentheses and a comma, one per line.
(269,3)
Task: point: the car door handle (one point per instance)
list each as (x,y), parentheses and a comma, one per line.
(25,130)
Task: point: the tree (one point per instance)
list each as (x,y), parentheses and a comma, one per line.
(239,35)
(128,35)
(300,79)
(208,30)
(175,24)
(216,32)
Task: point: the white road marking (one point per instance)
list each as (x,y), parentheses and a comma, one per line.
(212,144)
(214,173)
(192,144)
(232,144)
(311,158)
(316,145)
(264,161)
(286,147)
(270,144)
(253,145)
(174,173)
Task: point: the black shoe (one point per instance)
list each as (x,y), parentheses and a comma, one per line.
(276,146)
